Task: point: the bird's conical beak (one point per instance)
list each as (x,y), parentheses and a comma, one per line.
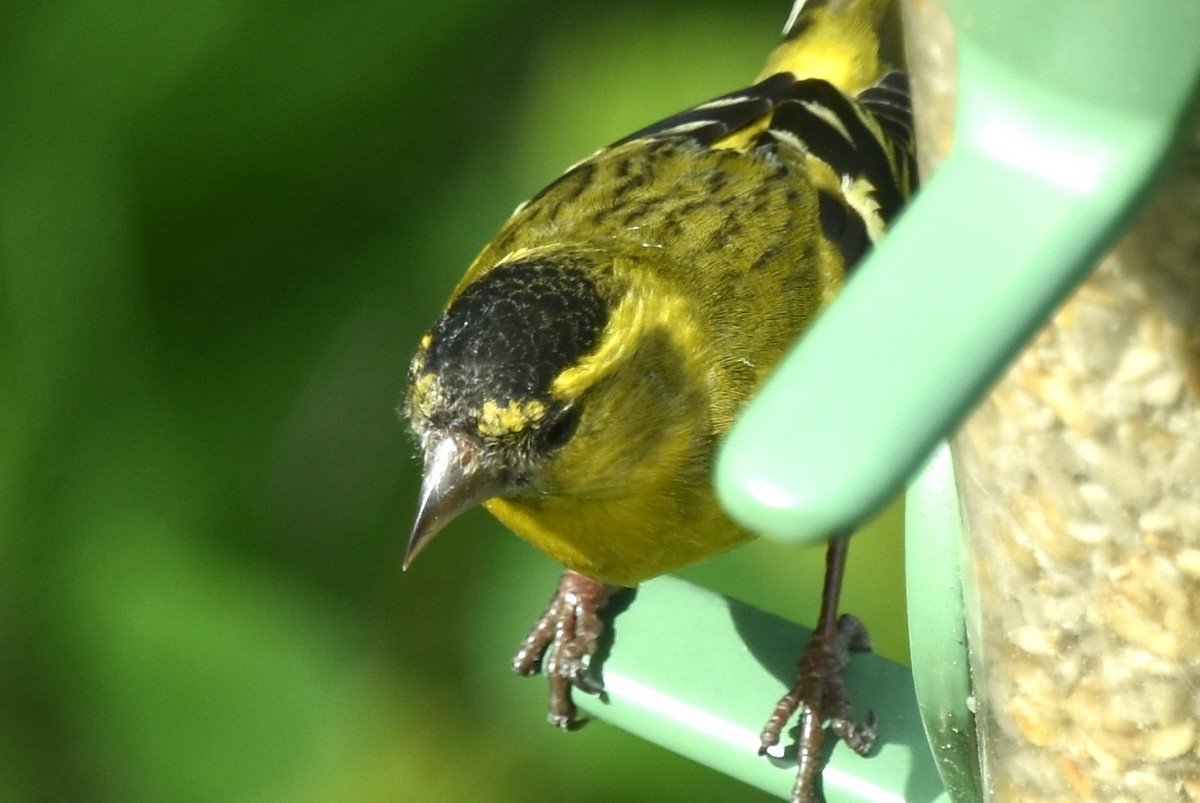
(456,478)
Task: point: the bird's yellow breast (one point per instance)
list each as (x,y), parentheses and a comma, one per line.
(620,545)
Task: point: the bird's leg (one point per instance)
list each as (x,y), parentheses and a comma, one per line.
(820,690)
(563,642)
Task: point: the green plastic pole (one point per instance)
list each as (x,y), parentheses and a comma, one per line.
(936,630)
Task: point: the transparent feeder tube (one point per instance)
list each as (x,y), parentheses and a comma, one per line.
(1080,483)
(1080,475)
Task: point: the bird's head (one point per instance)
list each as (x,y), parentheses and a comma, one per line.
(520,389)
(481,400)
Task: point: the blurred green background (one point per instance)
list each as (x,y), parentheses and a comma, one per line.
(223,226)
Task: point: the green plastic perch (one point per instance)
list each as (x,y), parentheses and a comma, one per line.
(706,702)
(1067,112)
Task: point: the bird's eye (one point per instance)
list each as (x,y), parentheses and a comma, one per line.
(562,428)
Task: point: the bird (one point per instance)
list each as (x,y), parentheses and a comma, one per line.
(585,369)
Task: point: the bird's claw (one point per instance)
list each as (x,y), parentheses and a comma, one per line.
(820,695)
(563,642)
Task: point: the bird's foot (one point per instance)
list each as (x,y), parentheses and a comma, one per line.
(563,642)
(821,693)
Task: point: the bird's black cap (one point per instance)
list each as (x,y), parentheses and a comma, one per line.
(508,334)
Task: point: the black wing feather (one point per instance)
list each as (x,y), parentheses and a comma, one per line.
(720,116)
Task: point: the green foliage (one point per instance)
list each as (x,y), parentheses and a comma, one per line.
(223,226)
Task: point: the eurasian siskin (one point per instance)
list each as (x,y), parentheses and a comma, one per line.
(600,346)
